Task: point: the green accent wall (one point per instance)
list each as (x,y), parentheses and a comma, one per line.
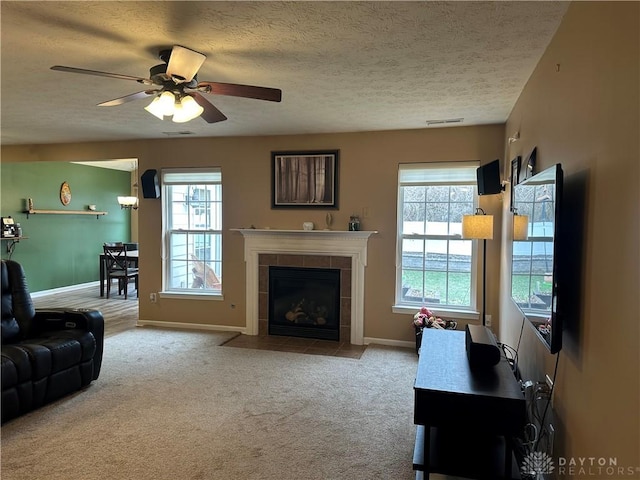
(63,250)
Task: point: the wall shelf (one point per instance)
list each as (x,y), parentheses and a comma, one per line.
(64,212)
(12,243)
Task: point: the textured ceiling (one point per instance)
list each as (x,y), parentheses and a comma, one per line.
(342,66)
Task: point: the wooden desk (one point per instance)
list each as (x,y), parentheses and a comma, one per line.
(466,418)
(131,255)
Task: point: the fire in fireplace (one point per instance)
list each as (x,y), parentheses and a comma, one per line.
(304,302)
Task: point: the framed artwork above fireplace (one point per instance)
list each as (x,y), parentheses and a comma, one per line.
(304,179)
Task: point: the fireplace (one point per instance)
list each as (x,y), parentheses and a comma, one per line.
(304,302)
(303,265)
(316,248)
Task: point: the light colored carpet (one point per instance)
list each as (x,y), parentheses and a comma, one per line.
(175,405)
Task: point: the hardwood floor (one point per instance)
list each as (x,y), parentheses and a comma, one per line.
(119,314)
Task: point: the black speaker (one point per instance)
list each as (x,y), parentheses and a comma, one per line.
(488,177)
(150,185)
(482,349)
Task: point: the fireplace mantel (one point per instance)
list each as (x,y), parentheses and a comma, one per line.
(259,232)
(307,242)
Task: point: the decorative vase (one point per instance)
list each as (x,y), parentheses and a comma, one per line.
(328,220)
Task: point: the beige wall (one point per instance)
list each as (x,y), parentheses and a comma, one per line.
(585,116)
(367,178)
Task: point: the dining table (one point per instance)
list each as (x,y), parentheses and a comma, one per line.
(132,256)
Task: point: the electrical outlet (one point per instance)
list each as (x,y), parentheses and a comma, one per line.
(153,298)
(487,320)
(549,381)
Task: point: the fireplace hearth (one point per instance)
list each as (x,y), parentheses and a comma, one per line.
(304,302)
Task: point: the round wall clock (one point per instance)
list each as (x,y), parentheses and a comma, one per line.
(65,194)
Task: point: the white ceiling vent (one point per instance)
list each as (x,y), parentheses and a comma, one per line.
(177,134)
(444,121)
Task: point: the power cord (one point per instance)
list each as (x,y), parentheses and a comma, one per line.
(524,319)
(10,248)
(522,447)
(511,354)
(518,345)
(550,395)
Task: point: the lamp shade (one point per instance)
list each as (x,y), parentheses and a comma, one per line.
(162,106)
(187,109)
(154,108)
(167,101)
(520,227)
(477,227)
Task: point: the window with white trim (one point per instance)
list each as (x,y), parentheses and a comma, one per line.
(435,265)
(192,230)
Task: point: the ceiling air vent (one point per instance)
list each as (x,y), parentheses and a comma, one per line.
(177,134)
(444,121)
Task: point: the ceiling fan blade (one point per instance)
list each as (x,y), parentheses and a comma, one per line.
(184,63)
(247,91)
(211,114)
(128,98)
(61,68)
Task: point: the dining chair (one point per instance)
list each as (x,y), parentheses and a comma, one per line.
(118,267)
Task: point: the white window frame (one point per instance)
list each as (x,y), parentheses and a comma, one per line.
(426,174)
(184,176)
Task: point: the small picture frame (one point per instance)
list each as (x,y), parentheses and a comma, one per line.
(528,169)
(65,194)
(306,179)
(515,177)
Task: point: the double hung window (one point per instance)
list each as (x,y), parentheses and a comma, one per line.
(192,226)
(435,265)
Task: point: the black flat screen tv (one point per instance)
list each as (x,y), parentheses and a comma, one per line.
(488,178)
(534,266)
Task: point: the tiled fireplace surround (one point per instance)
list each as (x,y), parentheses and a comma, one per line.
(316,249)
(308,261)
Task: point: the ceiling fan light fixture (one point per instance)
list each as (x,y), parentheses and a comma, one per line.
(154,108)
(166,102)
(187,109)
(172,80)
(162,106)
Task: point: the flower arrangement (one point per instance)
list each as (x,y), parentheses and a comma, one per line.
(426,319)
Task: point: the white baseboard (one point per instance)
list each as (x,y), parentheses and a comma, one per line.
(190,326)
(200,326)
(389,342)
(68,288)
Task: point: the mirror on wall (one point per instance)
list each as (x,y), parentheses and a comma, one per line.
(534,266)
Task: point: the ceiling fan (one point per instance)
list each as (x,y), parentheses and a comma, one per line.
(176,89)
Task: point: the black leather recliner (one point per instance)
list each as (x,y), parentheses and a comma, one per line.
(45,354)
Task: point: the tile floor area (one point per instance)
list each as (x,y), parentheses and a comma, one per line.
(297,345)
